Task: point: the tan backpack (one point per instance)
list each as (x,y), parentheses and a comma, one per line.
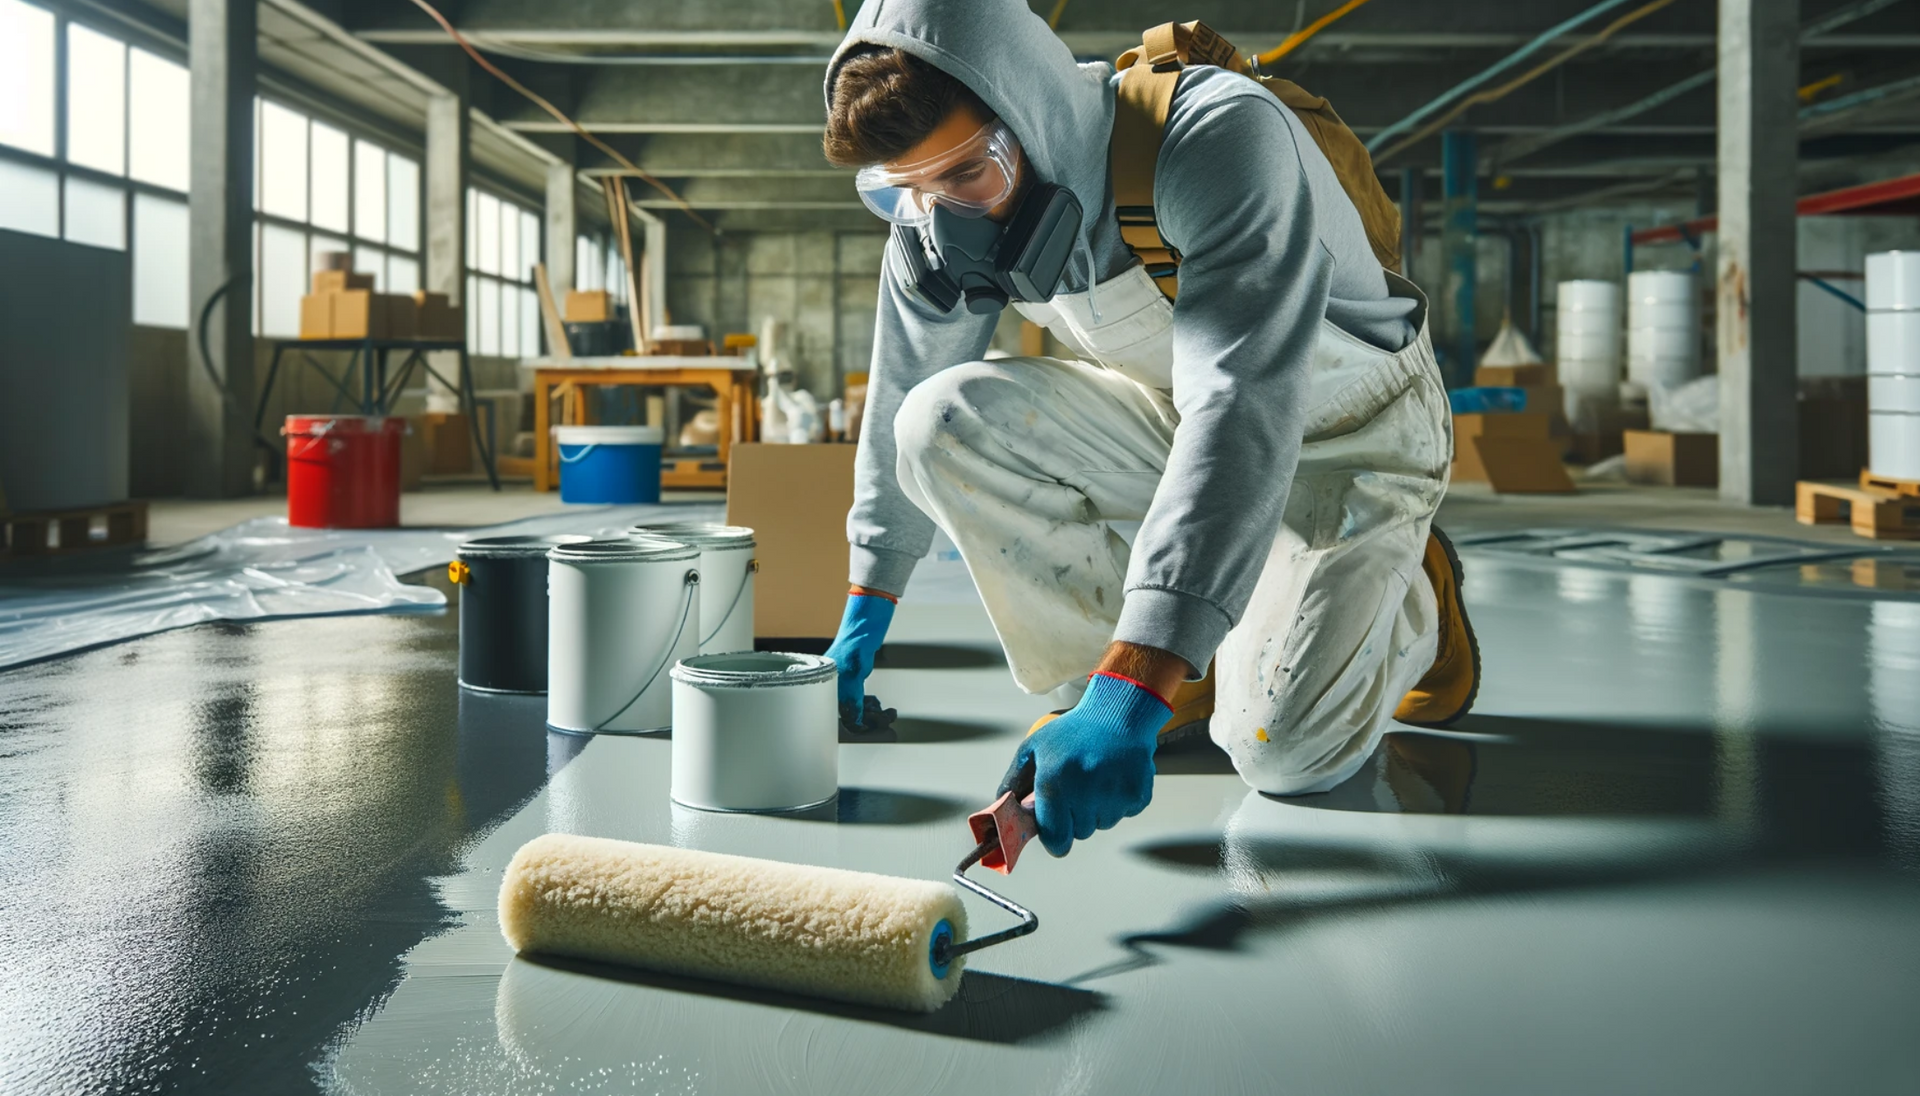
(1149,73)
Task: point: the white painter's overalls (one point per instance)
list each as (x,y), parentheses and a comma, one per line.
(1024,461)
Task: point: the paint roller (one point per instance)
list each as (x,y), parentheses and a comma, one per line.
(849,936)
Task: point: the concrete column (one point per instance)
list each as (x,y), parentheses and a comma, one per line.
(1459,162)
(445,216)
(1758,167)
(562,228)
(221,39)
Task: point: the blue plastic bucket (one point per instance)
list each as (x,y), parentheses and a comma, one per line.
(609,464)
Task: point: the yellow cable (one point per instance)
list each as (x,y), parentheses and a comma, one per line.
(560,116)
(840,14)
(1299,38)
(1525,78)
(1053,21)
(1808,93)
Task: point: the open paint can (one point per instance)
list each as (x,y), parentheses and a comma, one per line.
(620,613)
(503,611)
(727,567)
(755,731)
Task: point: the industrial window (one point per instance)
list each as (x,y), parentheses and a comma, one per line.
(597,265)
(159,261)
(96,100)
(26,77)
(157,120)
(502,247)
(76,152)
(320,187)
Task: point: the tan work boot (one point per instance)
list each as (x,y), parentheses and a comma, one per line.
(1447,691)
(1192,706)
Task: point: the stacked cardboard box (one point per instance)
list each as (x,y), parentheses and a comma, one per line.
(588,306)
(343,305)
(1542,387)
(1672,460)
(1512,451)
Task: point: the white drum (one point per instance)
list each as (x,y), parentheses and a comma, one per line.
(1893,364)
(755,731)
(1893,281)
(1663,329)
(620,614)
(727,567)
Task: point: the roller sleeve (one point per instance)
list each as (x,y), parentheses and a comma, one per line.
(824,932)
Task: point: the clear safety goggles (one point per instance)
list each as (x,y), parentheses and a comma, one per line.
(968,179)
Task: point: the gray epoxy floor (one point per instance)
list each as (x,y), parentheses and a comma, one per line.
(1677,849)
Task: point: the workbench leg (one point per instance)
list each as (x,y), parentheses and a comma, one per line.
(723,411)
(542,432)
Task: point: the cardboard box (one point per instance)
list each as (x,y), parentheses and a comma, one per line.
(1673,460)
(436,318)
(795,498)
(1535,425)
(316,316)
(449,442)
(1512,376)
(359,314)
(403,316)
(337,281)
(1511,465)
(588,306)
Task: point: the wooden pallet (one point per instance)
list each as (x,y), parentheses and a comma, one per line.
(64,532)
(1906,488)
(1872,511)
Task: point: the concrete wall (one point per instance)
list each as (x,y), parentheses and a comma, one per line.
(822,285)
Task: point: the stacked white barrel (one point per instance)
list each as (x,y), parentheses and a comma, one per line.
(1663,330)
(1588,358)
(1893,364)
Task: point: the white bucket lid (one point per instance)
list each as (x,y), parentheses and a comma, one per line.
(623,550)
(702,534)
(609,435)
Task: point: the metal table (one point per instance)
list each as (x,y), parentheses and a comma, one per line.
(379,389)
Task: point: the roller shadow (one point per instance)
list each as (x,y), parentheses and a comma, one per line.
(937,656)
(909,729)
(990,1008)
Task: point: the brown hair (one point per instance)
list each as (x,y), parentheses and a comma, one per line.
(885,101)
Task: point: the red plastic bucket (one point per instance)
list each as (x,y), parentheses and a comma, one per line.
(343,471)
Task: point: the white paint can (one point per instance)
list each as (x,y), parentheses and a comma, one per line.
(755,731)
(620,614)
(727,567)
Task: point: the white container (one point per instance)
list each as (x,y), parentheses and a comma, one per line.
(1893,444)
(1663,329)
(1592,346)
(1893,364)
(756,732)
(620,613)
(1893,281)
(1589,374)
(727,567)
(1589,295)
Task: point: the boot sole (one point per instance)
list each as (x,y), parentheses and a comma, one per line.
(1473,641)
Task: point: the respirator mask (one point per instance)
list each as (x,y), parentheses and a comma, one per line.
(947,248)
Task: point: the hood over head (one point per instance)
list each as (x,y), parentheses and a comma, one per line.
(1061,111)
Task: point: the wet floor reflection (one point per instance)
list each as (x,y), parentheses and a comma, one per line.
(221,840)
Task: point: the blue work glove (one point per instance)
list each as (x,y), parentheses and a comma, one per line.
(863,627)
(1093,766)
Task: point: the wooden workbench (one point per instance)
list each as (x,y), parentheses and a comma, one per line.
(731,379)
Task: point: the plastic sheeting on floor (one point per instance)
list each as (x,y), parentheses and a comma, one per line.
(258,570)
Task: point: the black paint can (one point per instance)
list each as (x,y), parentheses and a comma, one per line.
(503,611)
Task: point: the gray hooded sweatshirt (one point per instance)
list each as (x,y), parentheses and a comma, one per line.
(1271,247)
